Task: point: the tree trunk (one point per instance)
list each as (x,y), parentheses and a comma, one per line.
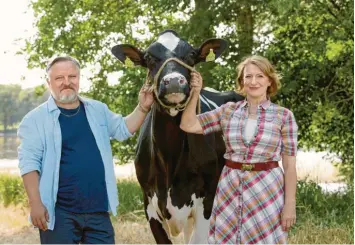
(245,25)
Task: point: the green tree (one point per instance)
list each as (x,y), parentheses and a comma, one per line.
(309,41)
(313,49)
(16,103)
(9,104)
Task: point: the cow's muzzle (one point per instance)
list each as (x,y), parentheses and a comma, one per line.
(175,87)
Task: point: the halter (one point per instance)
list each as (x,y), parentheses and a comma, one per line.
(179,107)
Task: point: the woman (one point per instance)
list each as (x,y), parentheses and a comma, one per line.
(255,201)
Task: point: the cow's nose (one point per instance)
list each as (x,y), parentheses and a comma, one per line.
(175,81)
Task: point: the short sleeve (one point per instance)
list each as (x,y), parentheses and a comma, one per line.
(211,121)
(289,135)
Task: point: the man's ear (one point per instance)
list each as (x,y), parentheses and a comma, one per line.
(124,51)
(216,44)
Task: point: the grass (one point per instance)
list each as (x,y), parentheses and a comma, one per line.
(321,218)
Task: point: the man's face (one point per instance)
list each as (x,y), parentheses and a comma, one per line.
(64,81)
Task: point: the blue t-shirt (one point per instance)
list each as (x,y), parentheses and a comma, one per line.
(82,186)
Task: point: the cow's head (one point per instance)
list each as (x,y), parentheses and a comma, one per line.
(170,60)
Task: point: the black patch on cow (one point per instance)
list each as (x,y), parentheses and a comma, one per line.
(167,158)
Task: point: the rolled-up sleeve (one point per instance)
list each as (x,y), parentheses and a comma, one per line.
(211,121)
(30,151)
(289,135)
(117,125)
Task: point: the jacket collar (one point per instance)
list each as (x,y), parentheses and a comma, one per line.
(53,106)
(265,104)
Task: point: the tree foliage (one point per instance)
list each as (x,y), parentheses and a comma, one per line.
(15,103)
(313,48)
(310,42)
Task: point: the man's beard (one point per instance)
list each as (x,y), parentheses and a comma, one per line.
(67,98)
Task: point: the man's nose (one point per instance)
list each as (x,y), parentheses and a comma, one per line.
(66,81)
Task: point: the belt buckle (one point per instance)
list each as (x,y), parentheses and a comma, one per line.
(247,167)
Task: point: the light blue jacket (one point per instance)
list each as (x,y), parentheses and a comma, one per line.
(41,147)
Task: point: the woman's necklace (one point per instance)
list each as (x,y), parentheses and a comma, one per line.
(71,115)
(251,114)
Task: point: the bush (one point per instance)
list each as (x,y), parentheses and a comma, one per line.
(12,191)
(325,208)
(130,196)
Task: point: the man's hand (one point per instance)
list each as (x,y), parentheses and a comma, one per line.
(145,97)
(39,216)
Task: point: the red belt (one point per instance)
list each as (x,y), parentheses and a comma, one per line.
(252,166)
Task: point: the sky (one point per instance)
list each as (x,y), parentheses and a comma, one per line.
(17,24)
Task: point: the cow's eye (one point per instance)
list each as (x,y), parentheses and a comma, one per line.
(190,58)
(151,61)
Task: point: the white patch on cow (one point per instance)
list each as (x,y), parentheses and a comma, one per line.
(188,229)
(169,40)
(208,102)
(201,225)
(188,219)
(179,216)
(174,75)
(153,208)
(211,89)
(202,98)
(173,112)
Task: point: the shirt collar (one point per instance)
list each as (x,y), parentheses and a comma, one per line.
(53,106)
(265,104)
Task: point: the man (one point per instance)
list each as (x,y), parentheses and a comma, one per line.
(66,161)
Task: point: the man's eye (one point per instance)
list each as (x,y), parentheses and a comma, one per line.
(58,78)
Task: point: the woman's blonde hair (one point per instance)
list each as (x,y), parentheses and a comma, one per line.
(266,67)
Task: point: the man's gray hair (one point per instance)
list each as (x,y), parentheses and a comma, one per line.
(60,59)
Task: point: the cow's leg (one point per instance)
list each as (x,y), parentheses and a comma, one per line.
(188,228)
(160,236)
(200,231)
(159,231)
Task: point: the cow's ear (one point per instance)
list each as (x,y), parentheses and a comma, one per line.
(218,46)
(124,51)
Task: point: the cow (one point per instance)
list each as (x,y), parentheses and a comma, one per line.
(177,171)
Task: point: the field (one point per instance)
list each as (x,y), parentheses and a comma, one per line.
(322,218)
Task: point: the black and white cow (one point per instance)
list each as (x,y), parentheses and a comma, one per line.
(178,172)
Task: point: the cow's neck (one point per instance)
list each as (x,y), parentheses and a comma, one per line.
(167,132)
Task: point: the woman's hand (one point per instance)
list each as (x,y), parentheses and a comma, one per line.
(288,216)
(196,82)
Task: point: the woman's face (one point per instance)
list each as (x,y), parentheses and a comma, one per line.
(255,82)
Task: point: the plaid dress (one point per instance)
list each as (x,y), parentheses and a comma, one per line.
(248,204)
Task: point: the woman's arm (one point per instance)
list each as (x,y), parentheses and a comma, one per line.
(189,122)
(289,212)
